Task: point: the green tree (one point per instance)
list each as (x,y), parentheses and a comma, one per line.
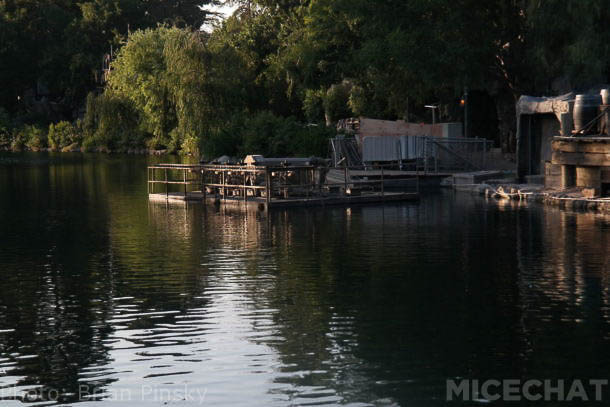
(182,87)
(54,48)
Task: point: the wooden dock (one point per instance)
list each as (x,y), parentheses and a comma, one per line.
(280,203)
(274,187)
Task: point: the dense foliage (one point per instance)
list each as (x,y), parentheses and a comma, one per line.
(253,83)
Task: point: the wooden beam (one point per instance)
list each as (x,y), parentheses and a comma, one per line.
(578,146)
(581,159)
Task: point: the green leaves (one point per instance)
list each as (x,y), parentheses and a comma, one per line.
(180,87)
(60,43)
(62,135)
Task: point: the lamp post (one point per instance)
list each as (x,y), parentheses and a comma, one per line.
(464,103)
(433,108)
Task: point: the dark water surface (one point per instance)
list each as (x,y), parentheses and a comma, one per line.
(136,303)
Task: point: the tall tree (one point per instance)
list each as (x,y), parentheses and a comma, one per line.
(57,45)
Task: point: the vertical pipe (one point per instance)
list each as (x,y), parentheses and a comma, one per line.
(382,191)
(425,156)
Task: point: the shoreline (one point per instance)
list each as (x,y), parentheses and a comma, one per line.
(98,150)
(568,200)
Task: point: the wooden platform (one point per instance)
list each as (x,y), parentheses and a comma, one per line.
(272,186)
(399,173)
(365,198)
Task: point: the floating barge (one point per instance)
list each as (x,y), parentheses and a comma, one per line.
(274,183)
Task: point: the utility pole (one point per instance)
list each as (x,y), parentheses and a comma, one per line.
(466,111)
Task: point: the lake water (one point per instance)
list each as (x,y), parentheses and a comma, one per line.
(108,297)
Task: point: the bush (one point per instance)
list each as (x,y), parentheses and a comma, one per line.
(6,128)
(271,136)
(110,122)
(336,102)
(190,146)
(227,140)
(33,137)
(89,123)
(17,142)
(62,134)
(313,105)
(88,145)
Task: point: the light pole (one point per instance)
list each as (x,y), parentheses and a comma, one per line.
(433,108)
(464,104)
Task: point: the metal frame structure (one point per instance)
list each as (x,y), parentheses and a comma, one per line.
(270,184)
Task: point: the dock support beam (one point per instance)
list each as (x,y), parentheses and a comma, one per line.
(568,176)
(267,187)
(589,177)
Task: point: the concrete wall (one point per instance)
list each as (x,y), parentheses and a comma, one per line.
(550,129)
(534,143)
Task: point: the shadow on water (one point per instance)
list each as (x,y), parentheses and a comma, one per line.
(107,296)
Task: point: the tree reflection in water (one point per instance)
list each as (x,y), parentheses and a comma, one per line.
(366,304)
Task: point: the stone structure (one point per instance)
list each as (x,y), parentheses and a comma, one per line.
(539,119)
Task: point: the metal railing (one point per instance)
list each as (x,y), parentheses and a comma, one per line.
(433,154)
(267,183)
(455,154)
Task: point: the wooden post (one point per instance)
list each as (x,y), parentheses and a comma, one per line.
(203,187)
(223,183)
(319,179)
(184,177)
(568,176)
(166,186)
(245,190)
(309,180)
(267,187)
(148,183)
(345,180)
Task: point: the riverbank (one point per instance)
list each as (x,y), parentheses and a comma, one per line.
(573,199)
(103,150)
